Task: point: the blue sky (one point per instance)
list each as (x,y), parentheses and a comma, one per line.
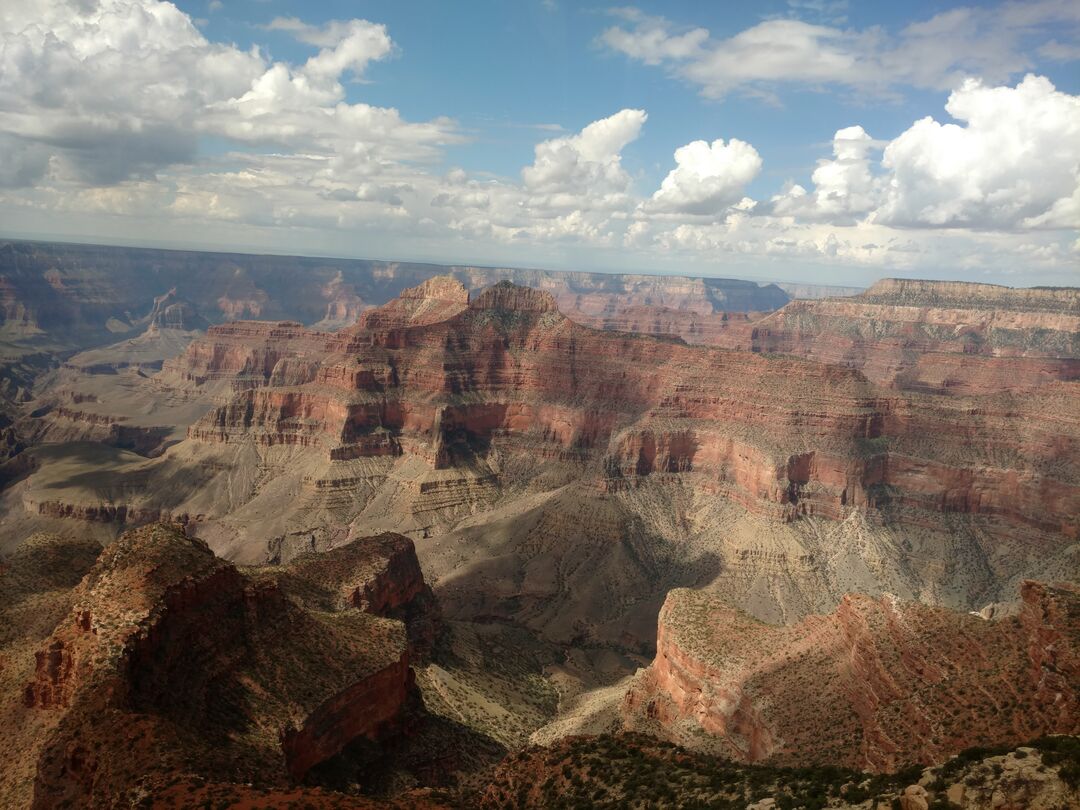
(454,132)
(499,67)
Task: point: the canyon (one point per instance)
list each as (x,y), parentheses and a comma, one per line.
(407,520)
(61,296)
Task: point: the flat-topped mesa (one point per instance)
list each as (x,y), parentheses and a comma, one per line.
(511,297)
(173,647)
(876,684)
(941,337)
(971,295)
(437,299)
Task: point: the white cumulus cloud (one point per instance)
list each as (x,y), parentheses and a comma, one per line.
(707,177)
(590,161)
(1015,161)
(844,187)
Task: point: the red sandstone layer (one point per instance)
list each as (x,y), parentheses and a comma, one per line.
(775,434)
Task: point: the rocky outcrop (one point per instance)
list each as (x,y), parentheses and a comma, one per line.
(66,423)
(874,685)
(344,305)
(170,311)
(378,575)
(509,297)
(249,677)
(249,354)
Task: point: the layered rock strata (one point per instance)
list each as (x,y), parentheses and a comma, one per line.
(937,337)
(778,435)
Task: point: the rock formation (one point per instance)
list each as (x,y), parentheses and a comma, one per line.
(559,472)
(780,481)
(875,685)
(510,370)
(937,337)
(172,664)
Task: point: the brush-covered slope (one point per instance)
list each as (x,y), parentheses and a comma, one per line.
(633,770)
(874,685)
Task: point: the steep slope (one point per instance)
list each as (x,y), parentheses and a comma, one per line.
(782,482)
(511,373)
(874,685)
(173,665)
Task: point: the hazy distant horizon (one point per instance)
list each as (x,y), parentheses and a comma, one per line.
(252,250)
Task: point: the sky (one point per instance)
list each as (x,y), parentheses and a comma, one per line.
(816,141)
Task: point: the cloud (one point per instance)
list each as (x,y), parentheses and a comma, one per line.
(844,187)
(345,44)
(1012,162)
(935,53)
(1015,162)
(121,89)
(589,161)
(106,108)
(352,46)
(707,177)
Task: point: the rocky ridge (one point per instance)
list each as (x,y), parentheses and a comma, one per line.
(80,296)
(873,686)
(171,663)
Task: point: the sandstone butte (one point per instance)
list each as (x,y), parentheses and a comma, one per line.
(874,685)
(169,669)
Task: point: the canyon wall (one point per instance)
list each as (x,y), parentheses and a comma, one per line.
(937,337)
(780,435)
